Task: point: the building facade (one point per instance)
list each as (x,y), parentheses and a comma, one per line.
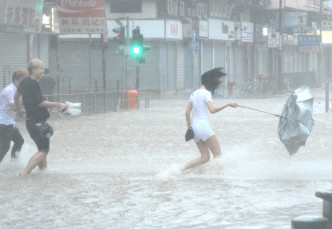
(185,39)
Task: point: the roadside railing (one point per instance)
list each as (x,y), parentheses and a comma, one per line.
(327,96)
(103,101)
(293,80)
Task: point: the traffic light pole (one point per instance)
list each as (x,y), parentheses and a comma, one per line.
(137,82)
(126,64)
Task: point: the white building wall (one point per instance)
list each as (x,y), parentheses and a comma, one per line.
(149,11)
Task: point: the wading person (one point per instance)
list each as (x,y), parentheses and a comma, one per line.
(201,103)
(8,130)
(36,114)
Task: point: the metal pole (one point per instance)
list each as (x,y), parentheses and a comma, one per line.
(104,79)
(327,97)
(90,62)
(320,57)
(126,64)
(137,83)
(58,66)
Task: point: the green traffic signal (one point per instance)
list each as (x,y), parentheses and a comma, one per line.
(136,50)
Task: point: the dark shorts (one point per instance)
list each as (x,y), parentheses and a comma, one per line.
(42,142)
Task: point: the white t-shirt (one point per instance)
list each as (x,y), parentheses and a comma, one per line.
(7,114)
(199,99)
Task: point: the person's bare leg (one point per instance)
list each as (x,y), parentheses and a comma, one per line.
(205,157)
(43,164)
(213,144)
(33,162)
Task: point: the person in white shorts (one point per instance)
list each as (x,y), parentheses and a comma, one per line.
(201,102)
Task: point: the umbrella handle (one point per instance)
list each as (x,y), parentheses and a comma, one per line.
(261,111)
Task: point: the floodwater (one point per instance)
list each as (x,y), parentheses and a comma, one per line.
(119,170)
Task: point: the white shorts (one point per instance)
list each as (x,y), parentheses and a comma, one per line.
(202,129)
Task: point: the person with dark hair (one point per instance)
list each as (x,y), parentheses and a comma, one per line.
(47,85)
(8,130)
(201,102)
(36,114)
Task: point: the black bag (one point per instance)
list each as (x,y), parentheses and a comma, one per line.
(189,134)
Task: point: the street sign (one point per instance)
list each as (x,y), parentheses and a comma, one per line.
(273,40)
(309,40)
(193,45)
(194,36)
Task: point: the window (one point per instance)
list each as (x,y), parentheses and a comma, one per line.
(182,8)
(220,8)
(193,12)
(189,12)
(199,11)
(175,7)
(211,6)
(204,8)
(169,7)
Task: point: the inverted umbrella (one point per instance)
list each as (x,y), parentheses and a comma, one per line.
(296,121)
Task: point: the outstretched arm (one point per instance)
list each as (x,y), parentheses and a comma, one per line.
(214,109)
(188,111)
(48,104)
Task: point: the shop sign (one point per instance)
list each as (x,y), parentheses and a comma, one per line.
(309,40)
(81,16)
(203,28)
(247,32)
(173,29)
(26,13)
(221,30)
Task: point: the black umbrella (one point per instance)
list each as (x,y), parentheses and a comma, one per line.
(296,122)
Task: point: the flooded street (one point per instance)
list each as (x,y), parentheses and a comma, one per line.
(118,170)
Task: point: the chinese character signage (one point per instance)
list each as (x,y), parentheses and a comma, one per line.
(247,32)
(309,40)
(173,29)
(221,30)
(26,13)
(81,16)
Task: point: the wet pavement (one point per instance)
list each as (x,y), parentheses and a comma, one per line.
(119,170)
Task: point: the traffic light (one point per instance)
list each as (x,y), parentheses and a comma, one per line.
(137,43)
(120,35)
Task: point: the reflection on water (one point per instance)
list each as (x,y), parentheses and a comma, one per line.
(119,170)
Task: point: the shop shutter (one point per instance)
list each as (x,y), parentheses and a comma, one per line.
(180,66)
(188,67)
(149,71)
(40,48)
(74,64)
(206,61)
(14,55)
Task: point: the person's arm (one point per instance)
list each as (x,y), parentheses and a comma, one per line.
(47,104)
(188,111)
(214,109)
(17,106)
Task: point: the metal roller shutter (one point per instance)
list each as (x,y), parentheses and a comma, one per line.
(40,48)
(206,61)
(114,62)
(238,68)
(188,67)
(180,66)
(219,54)
(149,71)
(74,64)
(16,46)
(171,66)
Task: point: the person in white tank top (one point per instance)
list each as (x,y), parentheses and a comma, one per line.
(201,103)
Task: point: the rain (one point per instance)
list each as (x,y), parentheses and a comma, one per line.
(126,71)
